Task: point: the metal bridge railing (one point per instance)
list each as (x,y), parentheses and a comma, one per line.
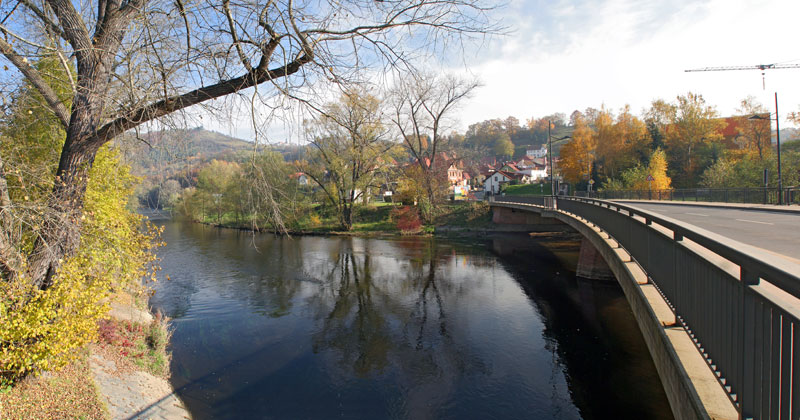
(747,326)
(791,195)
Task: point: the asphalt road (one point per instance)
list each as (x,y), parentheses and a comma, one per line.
(773,231)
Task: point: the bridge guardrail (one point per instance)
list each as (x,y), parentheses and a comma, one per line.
(791,195)
(748,332)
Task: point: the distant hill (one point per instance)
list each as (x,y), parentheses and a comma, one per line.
(790,134)
(556,133)
(164,152)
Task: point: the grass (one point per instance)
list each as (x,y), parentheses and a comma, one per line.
(69,393)
(376,218)
(145,345)
(465,214)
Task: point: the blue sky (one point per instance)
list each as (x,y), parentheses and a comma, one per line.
(568,55)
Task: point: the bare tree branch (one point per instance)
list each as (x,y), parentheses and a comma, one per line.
(36,80)
(175,103)
(52,26)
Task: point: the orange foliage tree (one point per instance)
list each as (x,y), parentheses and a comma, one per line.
(577,156)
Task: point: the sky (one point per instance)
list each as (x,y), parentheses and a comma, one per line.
(570,55)
(563,56)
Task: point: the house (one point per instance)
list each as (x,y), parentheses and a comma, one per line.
(492,184)
(537,153)
(534,174)
(457,177)
(509,167)
(525,163)
(302,179)
(532,168)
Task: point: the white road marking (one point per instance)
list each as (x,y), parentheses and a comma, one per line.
(698,214)
(753,221)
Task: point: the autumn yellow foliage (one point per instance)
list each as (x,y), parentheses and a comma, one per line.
(578,155)
(43,329)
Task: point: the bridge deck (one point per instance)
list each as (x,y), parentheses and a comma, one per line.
(777,232)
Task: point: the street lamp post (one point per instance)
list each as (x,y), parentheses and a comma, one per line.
(778,144)
(550,156)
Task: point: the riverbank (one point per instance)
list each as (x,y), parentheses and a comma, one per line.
(123,375)
(376,220)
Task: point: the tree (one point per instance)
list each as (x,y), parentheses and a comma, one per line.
(756,134)
(217,183)
(273,196)
(169,193)
(635,138)
(503,146)
(42,329)
(347,144)
(636,178)
(577,156)
(609,144)
(422,107)
(691,138)
(575,117)
(657,170)
(136,61)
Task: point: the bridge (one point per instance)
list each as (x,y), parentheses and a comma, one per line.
(721,318)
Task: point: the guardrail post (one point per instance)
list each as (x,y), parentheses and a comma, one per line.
(746,317)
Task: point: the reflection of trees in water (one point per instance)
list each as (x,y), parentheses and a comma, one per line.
(271,290)
(378,318)
(588,329)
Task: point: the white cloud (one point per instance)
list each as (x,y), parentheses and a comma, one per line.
(631,52)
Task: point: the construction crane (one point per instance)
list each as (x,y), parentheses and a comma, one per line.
(762,67)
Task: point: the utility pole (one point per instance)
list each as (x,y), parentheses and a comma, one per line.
(550,158)
(778,141)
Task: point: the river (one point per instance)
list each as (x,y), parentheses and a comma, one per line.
(408,328)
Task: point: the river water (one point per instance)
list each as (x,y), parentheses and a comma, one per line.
(406,328)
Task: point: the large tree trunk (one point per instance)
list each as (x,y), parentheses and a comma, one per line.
(60,236)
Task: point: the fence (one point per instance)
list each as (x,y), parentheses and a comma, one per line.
(724,195)
(746,326)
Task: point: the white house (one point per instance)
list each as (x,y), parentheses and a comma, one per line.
(540,153)
(492,183)
(534,174)
(301,178)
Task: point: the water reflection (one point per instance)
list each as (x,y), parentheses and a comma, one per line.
(318,327)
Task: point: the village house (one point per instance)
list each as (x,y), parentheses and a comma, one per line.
(302,179)
(537,153)
(534,168)
(493,183)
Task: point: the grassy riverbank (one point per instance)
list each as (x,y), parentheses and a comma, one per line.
(372,219)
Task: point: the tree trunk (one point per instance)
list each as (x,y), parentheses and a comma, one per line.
(60,237)
(347,216)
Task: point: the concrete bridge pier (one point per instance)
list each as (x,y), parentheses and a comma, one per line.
(591,264)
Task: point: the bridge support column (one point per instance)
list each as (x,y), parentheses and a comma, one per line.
(591,264)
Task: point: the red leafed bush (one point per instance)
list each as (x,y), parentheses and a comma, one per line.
(108,331)
(406,219)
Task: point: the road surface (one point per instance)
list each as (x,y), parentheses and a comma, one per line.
(773,231)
